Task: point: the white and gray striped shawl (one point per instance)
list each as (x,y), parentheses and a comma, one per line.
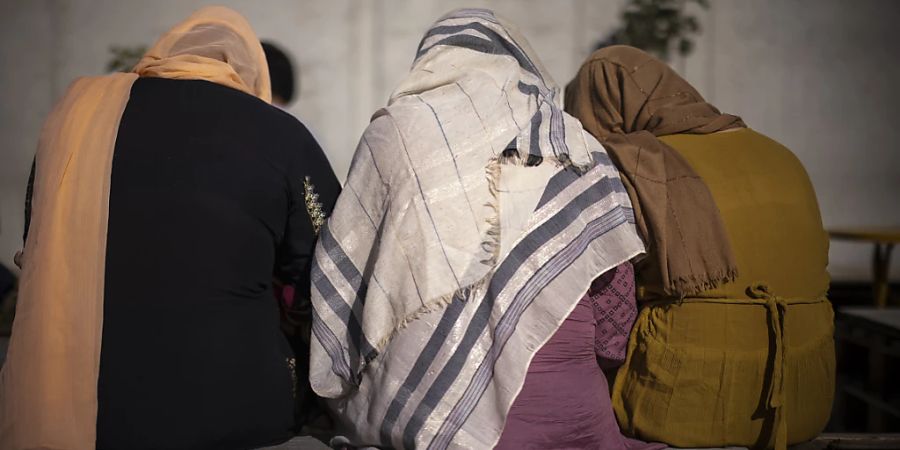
(445,265)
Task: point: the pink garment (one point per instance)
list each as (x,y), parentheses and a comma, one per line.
(565,402)
(284,293)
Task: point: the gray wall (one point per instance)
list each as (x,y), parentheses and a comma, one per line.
(813,74)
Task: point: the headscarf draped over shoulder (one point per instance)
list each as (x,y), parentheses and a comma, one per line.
(626,98)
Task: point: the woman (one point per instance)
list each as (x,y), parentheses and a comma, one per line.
(475,217)
(734,345)
(163,200)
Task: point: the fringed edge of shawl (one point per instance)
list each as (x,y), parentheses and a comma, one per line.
(684,286)
(491,243)
(580,169)
(491,246)
(437,304)
(562,161)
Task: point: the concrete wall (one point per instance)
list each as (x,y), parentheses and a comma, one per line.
(820,77)
(813,74)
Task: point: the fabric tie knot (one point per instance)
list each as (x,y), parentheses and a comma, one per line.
(776,307)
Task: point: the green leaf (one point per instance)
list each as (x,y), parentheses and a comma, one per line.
(691,24)
(685,47)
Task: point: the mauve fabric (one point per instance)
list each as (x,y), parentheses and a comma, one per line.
(565,402)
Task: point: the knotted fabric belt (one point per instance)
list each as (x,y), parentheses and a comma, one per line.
(776,307)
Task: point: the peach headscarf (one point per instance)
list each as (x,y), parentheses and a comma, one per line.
(214,44)
(48,385)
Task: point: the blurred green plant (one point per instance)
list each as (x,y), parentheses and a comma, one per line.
(124,58)
(658,26)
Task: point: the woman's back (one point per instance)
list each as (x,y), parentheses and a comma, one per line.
(750,362)
(769,208)
(206,205)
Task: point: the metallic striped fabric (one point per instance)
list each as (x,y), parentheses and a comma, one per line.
(448,263)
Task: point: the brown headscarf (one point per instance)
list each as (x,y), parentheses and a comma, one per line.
(48,385)
(626,98)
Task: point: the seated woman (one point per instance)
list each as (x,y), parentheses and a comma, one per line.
(734,343)
(474,219)
(163,200)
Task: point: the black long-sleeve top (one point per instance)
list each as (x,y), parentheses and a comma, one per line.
(206,205)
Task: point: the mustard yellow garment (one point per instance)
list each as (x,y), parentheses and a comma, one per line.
(48,384)
(750,363)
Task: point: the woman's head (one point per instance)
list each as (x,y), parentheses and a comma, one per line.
(479,61)
(214,43)
(480,30)
(470,44)
(621,89)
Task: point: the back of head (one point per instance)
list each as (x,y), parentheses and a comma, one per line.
(281,72)
(479,60)
(622,89)
(214,44)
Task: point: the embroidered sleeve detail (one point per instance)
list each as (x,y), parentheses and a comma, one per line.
(313,206)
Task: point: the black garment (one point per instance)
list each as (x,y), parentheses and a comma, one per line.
(206,205)
(29,193)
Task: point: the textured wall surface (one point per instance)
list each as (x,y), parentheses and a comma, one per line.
(817,75)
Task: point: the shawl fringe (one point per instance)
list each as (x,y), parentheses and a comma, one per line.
(685,286)
(435,305)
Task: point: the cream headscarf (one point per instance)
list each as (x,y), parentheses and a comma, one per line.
(48,385)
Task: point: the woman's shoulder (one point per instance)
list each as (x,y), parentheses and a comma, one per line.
(767,148)
(726,145)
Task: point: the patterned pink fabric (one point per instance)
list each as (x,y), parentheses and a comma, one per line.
(565,402)
(285,294)
(612,298)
